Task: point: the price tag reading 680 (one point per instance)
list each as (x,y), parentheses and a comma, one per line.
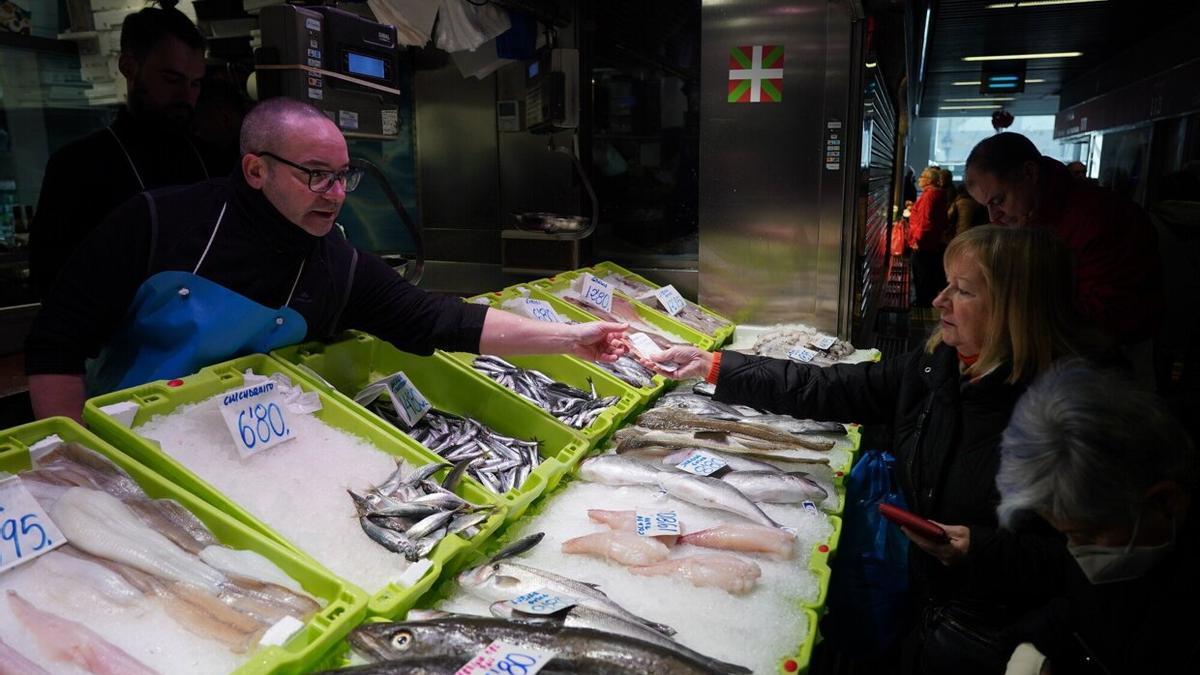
(26,532)
(255,418)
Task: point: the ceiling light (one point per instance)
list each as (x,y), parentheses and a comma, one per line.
(972,100)
(1016,57)
(871,64)
(924,43)
(1034,81)
(1036,3)
(976,83)
(970,107)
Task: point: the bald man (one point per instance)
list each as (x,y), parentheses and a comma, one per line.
(181,278)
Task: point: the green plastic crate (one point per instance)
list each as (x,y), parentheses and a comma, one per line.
(160,398)
(722,335)
(351,363)
(346,604)
(557,283)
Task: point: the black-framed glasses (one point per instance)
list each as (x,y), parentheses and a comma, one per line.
(321,180)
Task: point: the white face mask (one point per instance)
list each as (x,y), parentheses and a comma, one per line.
(1108,564)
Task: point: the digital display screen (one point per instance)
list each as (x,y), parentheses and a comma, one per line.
(534,69)
(360,64)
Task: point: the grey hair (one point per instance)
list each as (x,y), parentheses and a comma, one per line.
(267,122)
(1084,446)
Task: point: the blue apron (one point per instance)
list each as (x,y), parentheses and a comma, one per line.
(180,322)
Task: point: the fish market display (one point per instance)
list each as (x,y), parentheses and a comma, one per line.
(576,650)
(638,438)
(617,470)
(691,315)
(705,406)
(713,493)
(626,368)
(575,408)
(726,572)
(624,312)
(626,548)
(744,537)
(297,488)
(776,486)
(142,586)
(745,431)
(410,515)
(782,339)
(499,462)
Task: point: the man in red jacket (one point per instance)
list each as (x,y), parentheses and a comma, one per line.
(1118,272)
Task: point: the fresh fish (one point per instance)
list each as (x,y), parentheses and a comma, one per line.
(506,580)
(211,617)
(745,430)
(426,614)
(439,664)
(734,462)
(519,546)
(729,573)
(635,438)
(107,583)
(12,662)
(692,315)
(68,641)
(578,650)
(392,540)
(624,521)
(100,524)
(586,617)
(617,470)
(704,405)
(775,487)
(624,312)
(713,493)
(783,338)
(248,565)
(430,524)
(626,548)
(746,538)
(575,408)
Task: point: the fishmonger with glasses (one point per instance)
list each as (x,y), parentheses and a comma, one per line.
(181,278)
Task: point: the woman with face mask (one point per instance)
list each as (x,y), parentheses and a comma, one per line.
(1110,468)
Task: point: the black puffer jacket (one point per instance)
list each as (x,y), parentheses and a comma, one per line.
(946,436)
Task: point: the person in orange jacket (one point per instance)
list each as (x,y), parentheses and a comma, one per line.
(928,225)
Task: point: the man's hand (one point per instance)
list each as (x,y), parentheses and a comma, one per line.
(692,362)
(949,553)
(600,341)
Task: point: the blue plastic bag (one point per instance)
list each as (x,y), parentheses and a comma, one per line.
(868,594)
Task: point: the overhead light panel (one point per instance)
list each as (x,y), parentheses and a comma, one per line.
(1023,57)
(976,83)
(970,107)
(976,100)
(1037,3)
(871,64)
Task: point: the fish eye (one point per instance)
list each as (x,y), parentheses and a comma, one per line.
(402,640)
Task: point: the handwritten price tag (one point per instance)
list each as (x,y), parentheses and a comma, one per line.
(543,602)
(824,342)
(671,300)
(506,658)
(407,400)
(542,311)
(654,523)
(802,354)
(26,532)
(597,293)
(255,418)
(702,464)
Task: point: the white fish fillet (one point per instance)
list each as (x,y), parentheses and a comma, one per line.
(100,524)
(250,565)
(65,640)
(745,537)
(13,662)
(726,572)
(107,583)
(625,548)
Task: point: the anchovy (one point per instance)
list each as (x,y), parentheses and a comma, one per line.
(574,407)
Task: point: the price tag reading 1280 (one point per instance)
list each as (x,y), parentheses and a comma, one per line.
(26,532)
(255,418)
(597,293)
(654,523)
(506,658)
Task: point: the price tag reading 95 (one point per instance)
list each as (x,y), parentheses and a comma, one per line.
(671,300)
(543,602)
(802,355)
(407,400)
(824,342)
(702,464)
(256,419)
(506,658)
(542,311)
(597,293)
(655,523)
(26,532)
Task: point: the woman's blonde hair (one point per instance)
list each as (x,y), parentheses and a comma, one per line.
(1029,282)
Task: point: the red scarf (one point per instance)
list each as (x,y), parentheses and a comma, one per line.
(968,361)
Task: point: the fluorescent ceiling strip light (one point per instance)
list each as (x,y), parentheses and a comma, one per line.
(970,107)
(976,83)
(1018,57)
(1037,3)
(974,100)
(925,43)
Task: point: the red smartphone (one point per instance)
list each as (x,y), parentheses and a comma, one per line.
(922,526)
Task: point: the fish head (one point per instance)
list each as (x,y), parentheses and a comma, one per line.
(490,581)
(382,641)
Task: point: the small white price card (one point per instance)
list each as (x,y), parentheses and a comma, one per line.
(506,658)
(541,310)
(671,300)
(597,293)
(542,601)
(656,523)
(809,506)
(702,464)
(26,532)
(802,354)
(408,401)
(824,342)
(256,418)
(646,347)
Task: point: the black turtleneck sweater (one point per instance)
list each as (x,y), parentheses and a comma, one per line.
(256,253)
(88,178)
